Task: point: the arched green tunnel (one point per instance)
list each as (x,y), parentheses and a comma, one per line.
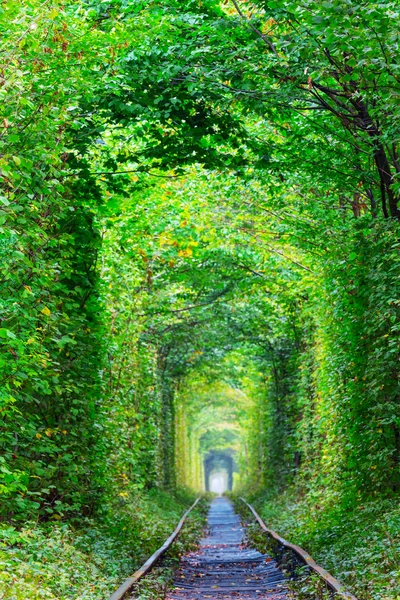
(219,467)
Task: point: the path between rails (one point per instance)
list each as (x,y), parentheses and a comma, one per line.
(225,567)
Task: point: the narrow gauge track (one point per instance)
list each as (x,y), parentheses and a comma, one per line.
(224,567)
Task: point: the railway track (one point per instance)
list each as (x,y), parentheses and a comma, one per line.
(225,567)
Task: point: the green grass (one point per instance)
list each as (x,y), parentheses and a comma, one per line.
(89,560)
(360,546)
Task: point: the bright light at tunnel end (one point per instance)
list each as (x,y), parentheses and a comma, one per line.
(219,483)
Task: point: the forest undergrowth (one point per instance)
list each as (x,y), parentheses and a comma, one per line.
(90,558)
(359,544)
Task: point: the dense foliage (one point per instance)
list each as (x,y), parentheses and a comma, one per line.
(58,561)
(199,246)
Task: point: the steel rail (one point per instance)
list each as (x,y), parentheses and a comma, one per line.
(145,568)
(332,583)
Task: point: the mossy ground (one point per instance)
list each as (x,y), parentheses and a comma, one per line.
(360,546)
(88,560)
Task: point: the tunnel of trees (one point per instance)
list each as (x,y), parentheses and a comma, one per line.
(200,258)
(219,465)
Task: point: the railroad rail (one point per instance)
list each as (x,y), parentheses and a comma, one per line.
(330,581)
(145,568)
(225,566)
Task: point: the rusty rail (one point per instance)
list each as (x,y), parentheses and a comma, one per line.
(145,568)
(332,583)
